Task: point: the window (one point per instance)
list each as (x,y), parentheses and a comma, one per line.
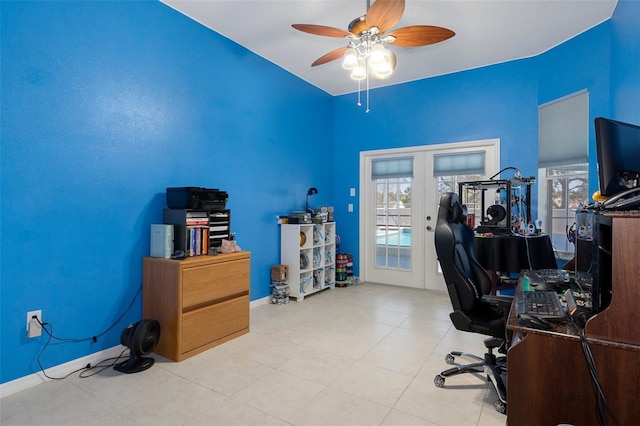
(563,181)
(567,189)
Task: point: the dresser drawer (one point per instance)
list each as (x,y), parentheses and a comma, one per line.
(203,326)
(207,283)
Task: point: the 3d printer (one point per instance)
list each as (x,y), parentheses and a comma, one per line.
(503,205)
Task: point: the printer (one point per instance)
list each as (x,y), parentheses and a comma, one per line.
(194,197)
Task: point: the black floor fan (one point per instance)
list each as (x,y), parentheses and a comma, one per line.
(141,338)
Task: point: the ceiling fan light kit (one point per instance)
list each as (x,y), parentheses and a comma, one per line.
(366,56)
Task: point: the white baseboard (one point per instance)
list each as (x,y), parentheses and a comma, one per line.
(38,378)
(259,302)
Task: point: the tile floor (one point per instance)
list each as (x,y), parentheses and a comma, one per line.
(361,355)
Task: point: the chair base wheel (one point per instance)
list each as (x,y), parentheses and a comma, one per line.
(449,359)
(439,381)
(501,407)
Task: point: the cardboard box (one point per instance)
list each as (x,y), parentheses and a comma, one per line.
(280,273)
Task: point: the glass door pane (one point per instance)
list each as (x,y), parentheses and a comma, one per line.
(393,223)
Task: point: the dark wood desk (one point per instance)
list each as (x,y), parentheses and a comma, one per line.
(548,377)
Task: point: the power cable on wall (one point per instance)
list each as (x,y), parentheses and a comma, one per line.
(100,366)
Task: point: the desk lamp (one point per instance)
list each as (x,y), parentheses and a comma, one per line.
(310,191)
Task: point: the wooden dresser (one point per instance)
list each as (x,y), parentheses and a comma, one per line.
(200,301)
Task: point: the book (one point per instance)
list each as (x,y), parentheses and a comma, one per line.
(196,222)
(161,242)
(205,240)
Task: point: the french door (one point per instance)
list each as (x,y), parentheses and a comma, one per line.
(400,191)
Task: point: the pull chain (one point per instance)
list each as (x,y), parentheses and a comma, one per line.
(368,72)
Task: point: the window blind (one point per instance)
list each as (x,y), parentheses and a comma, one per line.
(389,168)
(563,131)
(460,163)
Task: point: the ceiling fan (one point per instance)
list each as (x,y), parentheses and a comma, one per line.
(365,54)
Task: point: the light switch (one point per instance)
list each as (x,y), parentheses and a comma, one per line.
(352,192)
(350,208)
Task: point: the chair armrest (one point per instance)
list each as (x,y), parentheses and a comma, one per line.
(503,302)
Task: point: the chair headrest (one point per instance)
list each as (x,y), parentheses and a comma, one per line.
(459,213)
(451,210)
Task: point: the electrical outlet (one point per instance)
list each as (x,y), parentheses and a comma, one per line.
(34,329)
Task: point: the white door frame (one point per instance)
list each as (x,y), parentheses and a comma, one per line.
(424,150)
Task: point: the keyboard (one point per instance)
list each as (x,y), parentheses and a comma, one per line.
(543,304)
(553,276)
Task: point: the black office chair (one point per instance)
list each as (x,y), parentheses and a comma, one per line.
(468,284)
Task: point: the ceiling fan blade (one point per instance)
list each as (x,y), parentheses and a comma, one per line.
(322,30)
(331,56)
(384,14)
(419,35)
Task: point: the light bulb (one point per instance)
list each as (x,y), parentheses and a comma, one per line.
(384,69)
(359,71)
(350,59)
(377,54)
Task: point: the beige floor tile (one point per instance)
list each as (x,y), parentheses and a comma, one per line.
(279,394)
(319,367)
(268,350)
(152,411)
(413,340)
(113,419)
(398,418)
(373,383)
(459,405)
(222,373)
(362,355)
(52,403)
(332,407)
(396,358)
(229,412)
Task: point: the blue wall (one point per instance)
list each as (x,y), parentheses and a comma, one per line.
(625,63)
(580,63)
(105,104)
(499,101)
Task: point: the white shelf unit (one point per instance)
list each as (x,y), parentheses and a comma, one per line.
(310,252)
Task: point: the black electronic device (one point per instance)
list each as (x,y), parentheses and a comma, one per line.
(193,197)
(500,204)
(543,304)
(178,254)
(495,214)
(576,309)
(549,279)
(141,338)
(533,321)
(543,286)
(492,229)
(618,155)
(593,258)
(625,200)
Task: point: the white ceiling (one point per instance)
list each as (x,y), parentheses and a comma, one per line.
(487,32)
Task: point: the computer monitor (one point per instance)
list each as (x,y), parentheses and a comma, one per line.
(618,151)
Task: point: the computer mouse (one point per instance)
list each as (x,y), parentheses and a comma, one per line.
(533,321)
(544,286)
